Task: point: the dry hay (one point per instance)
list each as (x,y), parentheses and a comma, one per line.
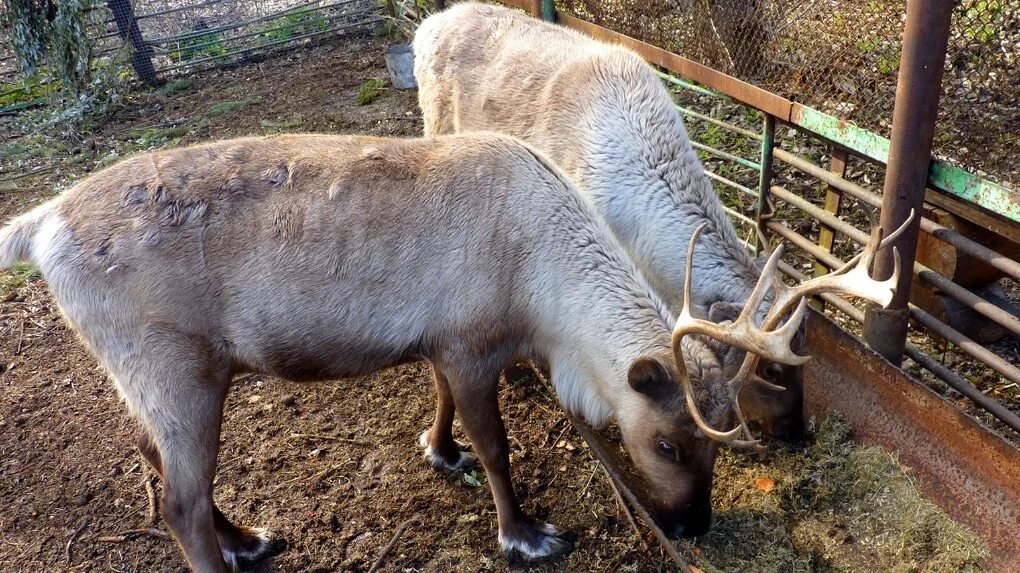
(831,506)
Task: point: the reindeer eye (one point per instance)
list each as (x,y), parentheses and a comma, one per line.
(773,373)
(665,448)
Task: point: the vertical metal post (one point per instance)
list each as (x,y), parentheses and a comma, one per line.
(919,83)
(764,210)
(129,32)
(549,10)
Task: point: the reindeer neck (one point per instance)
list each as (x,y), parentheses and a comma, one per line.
(597,314)
(647,180)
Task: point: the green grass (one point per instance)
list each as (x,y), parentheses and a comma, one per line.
(16,277)
(206,45)
(835,507)
(157,136)
(176,86)
(225,107)
(370,90)
(295,22)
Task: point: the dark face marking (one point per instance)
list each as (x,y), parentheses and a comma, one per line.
(673,457)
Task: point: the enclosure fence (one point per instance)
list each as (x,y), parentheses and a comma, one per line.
(162,37)
(830,70)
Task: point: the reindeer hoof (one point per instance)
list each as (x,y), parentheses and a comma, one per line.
(458,461)
(535,542)
(254,546)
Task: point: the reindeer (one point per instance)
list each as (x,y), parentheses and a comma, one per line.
(600,113)
(319,258)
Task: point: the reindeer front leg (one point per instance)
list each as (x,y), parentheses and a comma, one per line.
(441,450)
(477,402)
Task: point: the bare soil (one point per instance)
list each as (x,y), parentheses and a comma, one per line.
(335,467)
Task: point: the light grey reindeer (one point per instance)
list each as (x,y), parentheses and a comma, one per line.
(601,114)
(320,257)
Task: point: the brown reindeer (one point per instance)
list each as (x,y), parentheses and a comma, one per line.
(318,258)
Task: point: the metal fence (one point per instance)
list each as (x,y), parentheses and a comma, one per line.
(809,187)
(160,37)
(842,57)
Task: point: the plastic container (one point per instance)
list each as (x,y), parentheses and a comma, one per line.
(400,63)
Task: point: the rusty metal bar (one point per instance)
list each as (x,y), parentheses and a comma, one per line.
(820,214)
(764,210)
(959,383)
(925,37)
(742,91)
(833,203)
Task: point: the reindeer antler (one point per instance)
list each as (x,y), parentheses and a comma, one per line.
(768,341)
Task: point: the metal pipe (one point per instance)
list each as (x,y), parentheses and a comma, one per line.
(692,86)
(969,246)
(940,328)
(823,216)
(961,385)
(720,123)
(549,10)
(312,4)
(764,210)
(927,276)
(986,356)
(326,20)
(728,156)
(919,83)
(730,183)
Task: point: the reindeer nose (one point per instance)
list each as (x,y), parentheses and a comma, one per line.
(788,429)
(695,522)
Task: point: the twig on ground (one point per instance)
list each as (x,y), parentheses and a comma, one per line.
(623,505)
(393,542)
(588,483)
(559,437)
(70,541)
(21,338)
(36,171)
(331,438)
(150,492)
(133,534)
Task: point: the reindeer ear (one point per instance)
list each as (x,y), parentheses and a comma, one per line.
(649,377)
(722,311)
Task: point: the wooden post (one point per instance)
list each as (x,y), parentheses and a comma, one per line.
(127,28)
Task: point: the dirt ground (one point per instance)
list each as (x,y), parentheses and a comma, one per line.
(332,467)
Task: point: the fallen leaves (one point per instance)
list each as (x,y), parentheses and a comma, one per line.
(765,484)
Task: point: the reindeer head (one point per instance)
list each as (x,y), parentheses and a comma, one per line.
(674,446)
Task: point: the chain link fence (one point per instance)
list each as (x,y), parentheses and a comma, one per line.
(842,57)
(162,36)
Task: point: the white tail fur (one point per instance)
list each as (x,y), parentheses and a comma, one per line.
(17,238)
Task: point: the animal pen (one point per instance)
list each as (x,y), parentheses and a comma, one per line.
(800,110)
